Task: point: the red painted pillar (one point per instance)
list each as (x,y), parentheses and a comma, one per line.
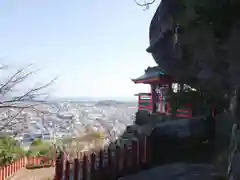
(93,175)
(76,169)
(135,155)
(125,160)
(59,167)
(161,103)
(153,96)
(85,167)
(101,166)
(67,170)
(8,171)
(141,151)
(1,173)
(139,98)
(110,164)
(117,161)
(148,150)
(4,172)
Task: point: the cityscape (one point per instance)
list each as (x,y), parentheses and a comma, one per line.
(54,121)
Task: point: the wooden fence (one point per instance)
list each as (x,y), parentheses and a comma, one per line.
(11,169)
(115,161)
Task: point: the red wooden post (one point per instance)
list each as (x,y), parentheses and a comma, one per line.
(85,167)
(135,156)
(8,171)
(14,170)
(19,164)
(148,149)
(161,103)
(117,158)
(110,164)
(4,172)
(76,169)
(67,170)
(125,160)
(141,151)
(11,169)
(37,160)
(16,164)
(139,99)
(101,165)
(1,174)
(28,162)
(59,166)
(93,167)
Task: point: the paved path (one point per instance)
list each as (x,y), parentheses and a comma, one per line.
(176,172)
(37,174)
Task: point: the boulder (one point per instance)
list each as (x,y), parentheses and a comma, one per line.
(178,171)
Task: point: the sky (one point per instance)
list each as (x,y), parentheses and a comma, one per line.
(94,47)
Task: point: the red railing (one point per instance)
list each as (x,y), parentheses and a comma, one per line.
(11,169)
(185,113)
(110,163)
(35,161)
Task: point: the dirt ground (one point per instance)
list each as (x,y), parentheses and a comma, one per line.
(36,174)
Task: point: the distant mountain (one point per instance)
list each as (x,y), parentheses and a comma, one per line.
(114,102)
(94,99)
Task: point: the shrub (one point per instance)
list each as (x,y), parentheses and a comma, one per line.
(38,166)
(9,150)
(36,142)
(39,149)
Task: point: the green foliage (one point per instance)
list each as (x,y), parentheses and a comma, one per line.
(39,148)
(36,142)
(9,150)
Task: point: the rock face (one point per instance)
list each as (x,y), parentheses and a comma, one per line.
(181,141)
(196,41)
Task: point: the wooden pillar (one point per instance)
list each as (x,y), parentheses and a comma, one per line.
(170,90)
(139,97)
(181,87)
(153,94)
(161,103)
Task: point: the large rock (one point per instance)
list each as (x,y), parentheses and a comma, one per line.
(177,171)
(196,42)
(142,117)
(183,140)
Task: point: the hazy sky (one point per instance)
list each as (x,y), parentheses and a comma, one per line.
(94,46)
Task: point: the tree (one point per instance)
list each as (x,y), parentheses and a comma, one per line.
(38,148)
(15,100)
(9,151)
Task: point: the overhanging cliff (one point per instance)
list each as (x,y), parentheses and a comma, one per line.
(196,41)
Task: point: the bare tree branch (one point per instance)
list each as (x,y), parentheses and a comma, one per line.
(145,4)
(16,103)
(10,120)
